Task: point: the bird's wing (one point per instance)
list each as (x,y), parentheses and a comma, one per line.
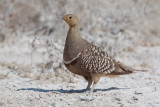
(94,59)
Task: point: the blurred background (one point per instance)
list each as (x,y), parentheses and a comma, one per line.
(32,36)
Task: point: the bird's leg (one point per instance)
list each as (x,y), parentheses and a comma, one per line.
(89,83)
(95,78)
(89,79)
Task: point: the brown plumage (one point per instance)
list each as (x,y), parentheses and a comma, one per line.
(85,59)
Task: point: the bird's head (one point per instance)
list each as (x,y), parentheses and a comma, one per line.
(71,20)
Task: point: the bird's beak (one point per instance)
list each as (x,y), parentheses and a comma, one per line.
(60,18)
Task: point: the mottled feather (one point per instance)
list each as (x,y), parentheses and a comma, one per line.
(94,59)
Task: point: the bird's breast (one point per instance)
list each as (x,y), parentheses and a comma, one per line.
(75,68)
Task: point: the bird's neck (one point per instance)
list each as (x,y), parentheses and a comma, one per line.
(74,43)
(73,35)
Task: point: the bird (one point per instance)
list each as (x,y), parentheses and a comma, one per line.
(88,60)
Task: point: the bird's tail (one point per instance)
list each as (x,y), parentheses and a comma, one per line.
(123,69)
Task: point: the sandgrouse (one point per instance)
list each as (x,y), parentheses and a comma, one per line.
(85,59)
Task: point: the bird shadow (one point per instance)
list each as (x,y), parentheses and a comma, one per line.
(68,91)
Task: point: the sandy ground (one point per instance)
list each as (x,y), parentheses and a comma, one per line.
(32,73)
(38,89)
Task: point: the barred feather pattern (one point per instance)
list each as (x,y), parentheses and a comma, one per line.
(95,60)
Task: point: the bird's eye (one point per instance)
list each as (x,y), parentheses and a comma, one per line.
(70,17)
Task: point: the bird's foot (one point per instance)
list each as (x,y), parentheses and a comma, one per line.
(89,91)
